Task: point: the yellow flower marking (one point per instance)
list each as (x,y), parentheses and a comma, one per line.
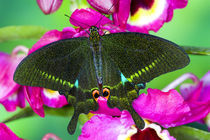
(146,16)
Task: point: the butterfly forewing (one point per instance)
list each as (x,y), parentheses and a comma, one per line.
(54,66)
(142,57)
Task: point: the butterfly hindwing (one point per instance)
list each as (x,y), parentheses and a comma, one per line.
(122,92)
(80,96)
(54,66)
(142,57)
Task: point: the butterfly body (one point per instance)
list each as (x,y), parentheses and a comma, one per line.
(95,47)
(114,66)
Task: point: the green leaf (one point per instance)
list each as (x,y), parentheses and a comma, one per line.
(65,111)
(21,32)
(196,50)
(188,133)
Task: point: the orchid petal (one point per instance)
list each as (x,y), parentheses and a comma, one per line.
(16,99)
(49,6)
(106,7)
(50,136)
(7,134)
(205,92)
(52,36)
(7,68)
(86,18)
(106,126)
(152,14)
(121,16)
(33,96)
(104,109)
(53,98)
(149,17)
(47,38)
(169,108)
(175,4)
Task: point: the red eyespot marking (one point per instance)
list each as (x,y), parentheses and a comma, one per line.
(106,93)
(95,94)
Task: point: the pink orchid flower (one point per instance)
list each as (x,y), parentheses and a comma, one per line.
(195,94)
(49,6)
(11,94)
(145,15)
(85,18)
(122,128)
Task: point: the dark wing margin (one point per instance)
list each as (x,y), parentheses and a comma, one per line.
(54,66)
(142,57)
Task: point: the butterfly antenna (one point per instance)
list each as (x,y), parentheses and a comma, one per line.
(78,22)
(107,12)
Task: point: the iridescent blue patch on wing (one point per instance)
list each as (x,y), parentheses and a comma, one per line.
(123,79)
(76,84)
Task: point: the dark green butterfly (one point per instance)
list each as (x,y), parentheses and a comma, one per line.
(84,68)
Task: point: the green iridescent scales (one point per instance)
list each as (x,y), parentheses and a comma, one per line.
(68,67)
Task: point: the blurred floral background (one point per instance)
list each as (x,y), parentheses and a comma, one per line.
(189,27)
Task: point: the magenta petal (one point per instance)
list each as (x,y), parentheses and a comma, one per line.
(50,136)
(169,108)
(52,36)
(33,96)
(166,108)
(16,99)
(175,4)
(7,134)
(106,126)
(197,92)
(205,92)
(49,6)
(104,6)
(151,18)
(48,37)
(53,98)
(121,16)
(8,64)
(104,109)
(179,3)
(88,17)
(68,32)
(132,28)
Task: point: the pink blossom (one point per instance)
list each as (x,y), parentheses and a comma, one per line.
(112,128)
(49,6)
(11,93)
(169,109)
(195,94)
(7,134)
(85,18)
(146,15)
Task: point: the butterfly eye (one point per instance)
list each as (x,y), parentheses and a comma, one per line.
(106,93)
(95,95)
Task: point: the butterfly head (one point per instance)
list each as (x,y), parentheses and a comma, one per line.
(94,34)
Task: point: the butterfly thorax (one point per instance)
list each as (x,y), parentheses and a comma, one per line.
(95,46)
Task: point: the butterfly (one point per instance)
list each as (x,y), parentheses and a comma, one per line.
(114,66)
